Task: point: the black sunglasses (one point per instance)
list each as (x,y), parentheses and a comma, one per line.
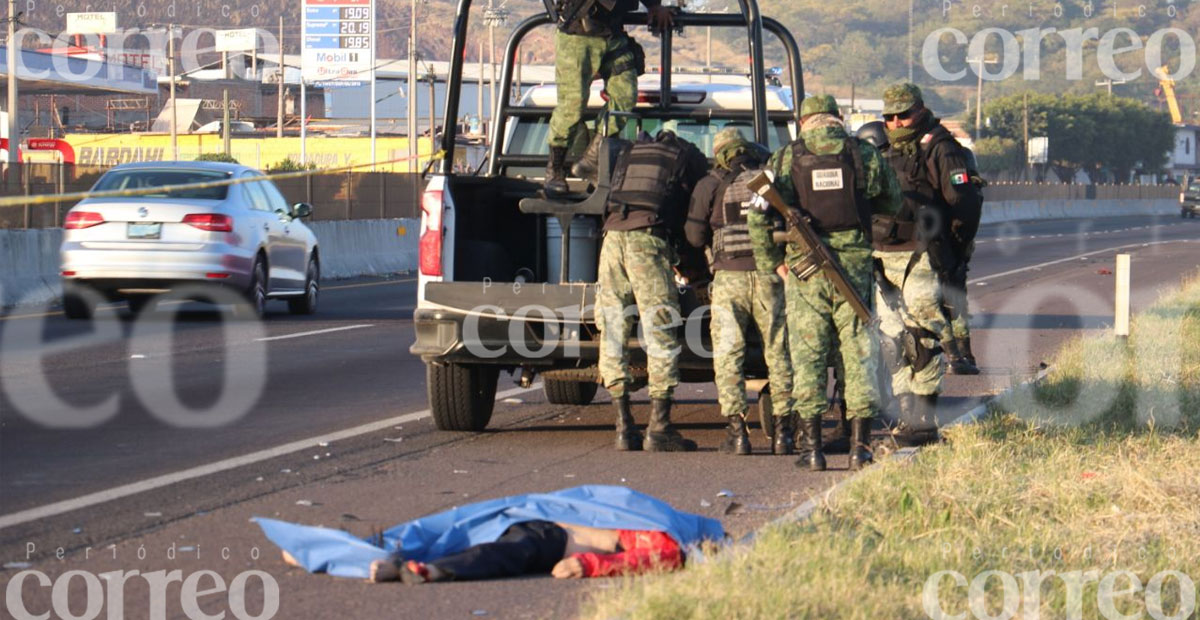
(907,114)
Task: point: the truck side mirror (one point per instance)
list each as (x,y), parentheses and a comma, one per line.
(301,210)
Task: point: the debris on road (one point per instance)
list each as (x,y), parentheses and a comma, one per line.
(461,471)
(152,514)
(349,517)
(393,439)
(16,565)
(324,444)
(724,493)
(1104,272)
(285,471)
(305,502)
(705,503)
(513,401)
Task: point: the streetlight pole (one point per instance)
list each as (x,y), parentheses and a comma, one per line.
(174,108)
(492,17)
(14,128)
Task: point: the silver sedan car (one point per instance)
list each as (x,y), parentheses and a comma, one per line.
(242,236)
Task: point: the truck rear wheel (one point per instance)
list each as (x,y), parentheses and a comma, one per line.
(461,396)
(569,392)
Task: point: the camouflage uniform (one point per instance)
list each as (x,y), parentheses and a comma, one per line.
(578,58)
(817,315)
(922,305)
(741,295)
(636,268)
(738,299)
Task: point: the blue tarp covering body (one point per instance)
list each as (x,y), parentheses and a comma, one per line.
(339,553)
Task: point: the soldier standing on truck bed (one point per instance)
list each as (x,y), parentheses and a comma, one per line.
(837,182)
(591,40)
(741,295)
(924,249)
(651,182)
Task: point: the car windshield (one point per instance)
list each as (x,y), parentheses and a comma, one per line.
(1194,187)
(143,179)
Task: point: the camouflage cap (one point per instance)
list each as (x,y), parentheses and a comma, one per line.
(725,138)
(819,104)
(901,97)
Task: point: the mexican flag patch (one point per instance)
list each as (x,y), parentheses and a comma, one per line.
(959,178)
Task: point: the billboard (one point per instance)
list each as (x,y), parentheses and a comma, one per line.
(241,40)
(339,47)
(91,23)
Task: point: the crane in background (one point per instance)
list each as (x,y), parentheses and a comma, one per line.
(1168,91)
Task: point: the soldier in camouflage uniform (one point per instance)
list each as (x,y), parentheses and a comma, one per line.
(591,40)
(923,251)
(741,295)
(647,203)
(818,316)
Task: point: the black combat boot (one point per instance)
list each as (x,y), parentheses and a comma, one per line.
(860,443)
(811,455)
(663,436)
(737,440)
(957,361)
(556,175)
(628,435)
(918,420)
(589,164)
(964,347)
(785,435)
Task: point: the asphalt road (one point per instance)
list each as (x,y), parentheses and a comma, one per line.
(134,480)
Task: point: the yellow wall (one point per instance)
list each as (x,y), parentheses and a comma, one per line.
(325,152)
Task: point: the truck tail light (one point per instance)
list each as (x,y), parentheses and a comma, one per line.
(430,245)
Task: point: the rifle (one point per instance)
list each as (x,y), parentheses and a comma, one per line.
(817,256)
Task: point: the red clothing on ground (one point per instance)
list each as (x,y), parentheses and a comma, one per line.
(642,551)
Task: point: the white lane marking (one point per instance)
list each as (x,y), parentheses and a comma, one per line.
(341,287)
(312,333)
(1071,258)
(149,484)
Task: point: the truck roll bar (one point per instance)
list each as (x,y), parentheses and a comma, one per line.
(749,17)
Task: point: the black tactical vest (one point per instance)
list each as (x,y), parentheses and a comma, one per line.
(731,233)
(831,189)
(647,177)
(923,203)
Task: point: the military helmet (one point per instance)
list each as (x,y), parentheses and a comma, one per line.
(901,97)
(726,137)
(819,104)
(873,133)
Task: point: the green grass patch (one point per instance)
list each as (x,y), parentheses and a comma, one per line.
(1093,472)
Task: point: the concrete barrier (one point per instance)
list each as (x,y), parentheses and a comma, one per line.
(352,248)
(1016,210)
(29,264)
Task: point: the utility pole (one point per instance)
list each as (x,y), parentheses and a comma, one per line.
(490,19)
(374,34)
(412,87)
(225,130)
(174,108)
(1025,126)
(910,40)
(14,128)
(479,90)
(279,104)
(981,61)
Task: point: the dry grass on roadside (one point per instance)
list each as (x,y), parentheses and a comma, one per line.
(1044,485)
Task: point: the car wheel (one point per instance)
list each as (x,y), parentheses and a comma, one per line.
(461,396)
(140,303)
(307,303)
(569,392)
(256,294)
(78,303)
